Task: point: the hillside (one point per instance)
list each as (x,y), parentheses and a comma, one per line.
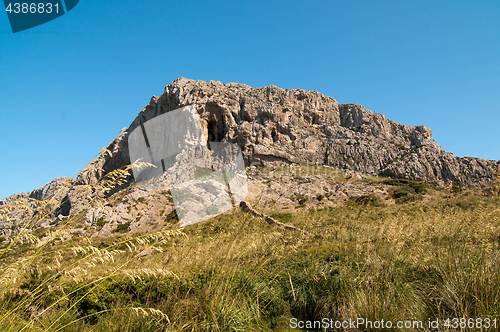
(417,253)
(344,215)
(275,127)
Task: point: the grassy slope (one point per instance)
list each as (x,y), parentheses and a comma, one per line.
(424,258)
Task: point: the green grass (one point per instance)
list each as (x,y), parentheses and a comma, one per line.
(409,261)
(434,254)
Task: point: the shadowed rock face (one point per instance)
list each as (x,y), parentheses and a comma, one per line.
(273,126)
(57,187)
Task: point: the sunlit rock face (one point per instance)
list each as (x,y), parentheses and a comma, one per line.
(274,126)
(205,178)
(200,136)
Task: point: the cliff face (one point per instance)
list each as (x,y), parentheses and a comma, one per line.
(275,126)
(272,127)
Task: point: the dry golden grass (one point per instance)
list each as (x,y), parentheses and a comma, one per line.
(432,258)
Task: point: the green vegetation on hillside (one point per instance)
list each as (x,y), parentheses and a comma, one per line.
(435,256)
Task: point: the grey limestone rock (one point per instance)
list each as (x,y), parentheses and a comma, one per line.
(275,126)
(57,187)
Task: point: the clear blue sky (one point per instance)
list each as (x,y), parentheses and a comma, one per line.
(67,87)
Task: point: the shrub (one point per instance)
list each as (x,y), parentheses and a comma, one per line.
(405,194)
(367,200)
(418,187)
(495,188)
(122,228)
(406,190)
(100,222)
(172,217)
(301,198)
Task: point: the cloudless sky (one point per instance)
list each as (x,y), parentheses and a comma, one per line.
(67,87)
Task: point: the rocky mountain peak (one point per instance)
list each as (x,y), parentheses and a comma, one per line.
(275,126)
(284,130)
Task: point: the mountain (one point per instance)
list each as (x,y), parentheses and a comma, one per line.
(282,130)
(275,126)
(318,233)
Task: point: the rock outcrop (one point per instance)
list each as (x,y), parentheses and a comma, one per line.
(272,127)
(275,126)
(55,191)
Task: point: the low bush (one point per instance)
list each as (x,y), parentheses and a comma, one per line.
(418,187)
(367,200)
(122,228)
